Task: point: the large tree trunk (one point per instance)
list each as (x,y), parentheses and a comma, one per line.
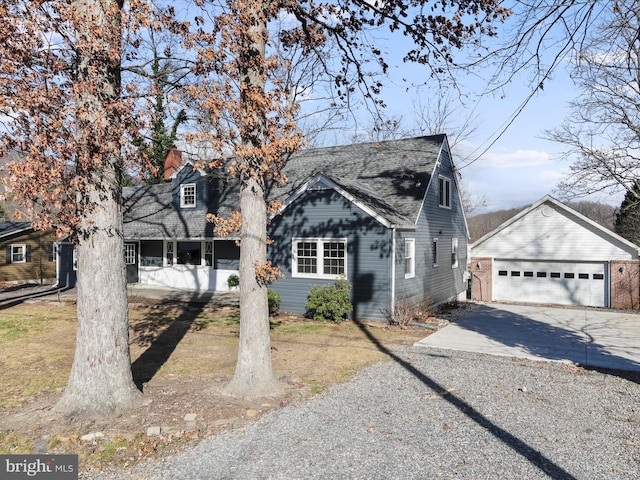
(253,377)
(101,382)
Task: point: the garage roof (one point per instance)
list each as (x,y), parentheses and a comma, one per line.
(550,230)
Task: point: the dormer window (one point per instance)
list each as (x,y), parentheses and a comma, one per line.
(188,195)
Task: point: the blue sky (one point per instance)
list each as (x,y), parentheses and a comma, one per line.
(521,166)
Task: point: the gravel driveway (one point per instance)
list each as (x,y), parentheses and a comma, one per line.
(434,414)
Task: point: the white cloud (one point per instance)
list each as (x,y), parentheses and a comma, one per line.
(516,159)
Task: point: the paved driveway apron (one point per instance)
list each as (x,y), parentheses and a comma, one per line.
(589,337)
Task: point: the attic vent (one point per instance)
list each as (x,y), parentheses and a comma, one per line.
(319,183)
(547,211)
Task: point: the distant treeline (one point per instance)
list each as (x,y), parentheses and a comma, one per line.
(483,223)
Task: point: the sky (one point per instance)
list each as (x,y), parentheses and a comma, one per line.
(521,166)
(516,169)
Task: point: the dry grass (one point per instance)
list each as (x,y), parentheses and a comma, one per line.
(184,353)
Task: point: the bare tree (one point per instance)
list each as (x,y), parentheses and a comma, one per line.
(603,131)
(159,67)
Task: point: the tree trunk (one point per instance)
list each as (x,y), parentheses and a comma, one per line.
(101,382)
(253,377)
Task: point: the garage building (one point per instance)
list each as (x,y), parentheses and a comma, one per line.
(551,254)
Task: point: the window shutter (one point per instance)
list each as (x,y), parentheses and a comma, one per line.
(8,253)
(28,253)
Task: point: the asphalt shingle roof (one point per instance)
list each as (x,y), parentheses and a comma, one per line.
(389,177)
(11,228)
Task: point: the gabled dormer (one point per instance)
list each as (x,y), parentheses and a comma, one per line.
(190,187)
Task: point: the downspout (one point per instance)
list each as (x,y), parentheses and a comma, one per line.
(608,290)
(392,270)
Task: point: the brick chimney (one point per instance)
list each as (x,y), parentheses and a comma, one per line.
(172,161)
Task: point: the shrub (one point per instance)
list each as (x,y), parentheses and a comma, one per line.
(274,302)
(329,302)
(405,311)
(233,281)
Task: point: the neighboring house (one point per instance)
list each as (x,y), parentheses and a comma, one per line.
(26,254)
(551,254)
(387,216)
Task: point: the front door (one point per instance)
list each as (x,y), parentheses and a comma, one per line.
(131,261)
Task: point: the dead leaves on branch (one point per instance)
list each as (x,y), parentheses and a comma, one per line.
(267,273)
(224,227)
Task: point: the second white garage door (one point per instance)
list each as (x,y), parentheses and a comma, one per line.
(562,283)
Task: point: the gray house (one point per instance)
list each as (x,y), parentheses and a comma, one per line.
(386,216)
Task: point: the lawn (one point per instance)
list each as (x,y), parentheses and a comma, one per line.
(182,355)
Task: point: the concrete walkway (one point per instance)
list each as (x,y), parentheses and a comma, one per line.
(588,337)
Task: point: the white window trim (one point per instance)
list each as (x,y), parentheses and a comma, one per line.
(24,252)
(454,253)
(410,253)
(183,187)
(447,194)
(320,258)
(435,247)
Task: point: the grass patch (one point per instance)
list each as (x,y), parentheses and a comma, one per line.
(12,443)
(11,329)
(301,327)
(108,449)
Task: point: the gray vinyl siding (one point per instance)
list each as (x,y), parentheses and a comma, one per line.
(327,214)
(440,283)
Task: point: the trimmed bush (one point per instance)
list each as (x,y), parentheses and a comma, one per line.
(274,302)
(233,281)
(329,302)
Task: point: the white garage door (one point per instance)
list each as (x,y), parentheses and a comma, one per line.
(562,283)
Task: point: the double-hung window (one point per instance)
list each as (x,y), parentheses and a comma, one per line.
(409,257)
(17,253)
(188,195)
(444,192)
(319,257)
